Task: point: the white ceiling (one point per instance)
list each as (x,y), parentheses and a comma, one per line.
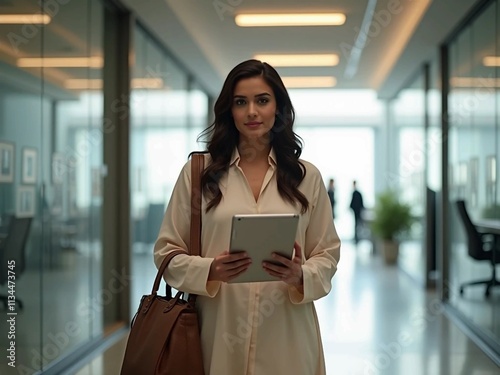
(203,36)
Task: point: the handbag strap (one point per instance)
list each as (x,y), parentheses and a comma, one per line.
(197,167)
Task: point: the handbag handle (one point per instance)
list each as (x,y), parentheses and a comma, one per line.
(197,167)
(161,271)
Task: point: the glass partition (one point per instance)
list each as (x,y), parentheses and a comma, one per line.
(51,157)
(166,120)
(434,188)
(21,152)
(473,155)
(408,116)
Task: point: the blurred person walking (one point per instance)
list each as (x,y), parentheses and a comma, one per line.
(331,195)
(357,208)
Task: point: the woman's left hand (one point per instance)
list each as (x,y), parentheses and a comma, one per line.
(289,271)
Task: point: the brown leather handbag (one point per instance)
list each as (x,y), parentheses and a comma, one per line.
(165,335)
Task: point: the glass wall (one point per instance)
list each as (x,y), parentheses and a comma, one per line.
(434,141)
(474,150)
(52,174)
(408,119)
(51,111)
(167,116)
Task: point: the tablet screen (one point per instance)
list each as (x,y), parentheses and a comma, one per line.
(260,235)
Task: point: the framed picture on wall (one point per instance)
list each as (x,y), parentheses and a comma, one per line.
(58,168)
(491,179)
(451,177)
(6,162)
(57,199)
(25,201)
(473,181)
(95,178)
(29,165)
(461,179)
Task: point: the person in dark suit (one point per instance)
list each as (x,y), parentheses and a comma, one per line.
(357,208)
(331,195)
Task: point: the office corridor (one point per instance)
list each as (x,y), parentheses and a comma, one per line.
(376,320)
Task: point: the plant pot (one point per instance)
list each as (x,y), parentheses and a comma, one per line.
(390,250)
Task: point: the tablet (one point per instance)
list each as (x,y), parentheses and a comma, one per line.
(260,235)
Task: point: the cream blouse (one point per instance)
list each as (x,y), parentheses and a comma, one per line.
(253,328)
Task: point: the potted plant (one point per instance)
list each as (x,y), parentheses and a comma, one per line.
(392,219)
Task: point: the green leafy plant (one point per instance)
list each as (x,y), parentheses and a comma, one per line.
(392,218)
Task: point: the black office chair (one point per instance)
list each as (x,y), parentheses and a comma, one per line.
(481,246)
(12,249)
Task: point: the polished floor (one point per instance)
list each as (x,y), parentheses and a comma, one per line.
(376,320)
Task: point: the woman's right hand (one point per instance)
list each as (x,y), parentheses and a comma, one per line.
(227,266)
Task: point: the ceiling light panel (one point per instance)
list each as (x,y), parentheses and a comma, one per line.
(300,59)
(290,19)
(491,61)
(309,82)
(60,62)
(12,19)
(83,84)
(482,82)
(96,84)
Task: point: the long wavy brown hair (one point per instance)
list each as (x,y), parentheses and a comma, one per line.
(222,137)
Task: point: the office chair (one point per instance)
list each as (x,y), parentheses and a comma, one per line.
(481,246)
(12,248)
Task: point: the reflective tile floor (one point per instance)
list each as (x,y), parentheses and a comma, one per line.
(376,320)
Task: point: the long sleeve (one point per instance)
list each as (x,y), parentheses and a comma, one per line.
(321,246)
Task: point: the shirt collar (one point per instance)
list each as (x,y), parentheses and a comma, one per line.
(235,158)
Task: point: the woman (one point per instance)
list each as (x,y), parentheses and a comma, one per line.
(253,166)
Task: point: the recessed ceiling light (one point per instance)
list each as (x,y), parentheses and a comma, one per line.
(491,61)
(309,82)
(60,62)
(96,84)
(83,84)
(24,19)
(331,59)
(483,82)
(290,19)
